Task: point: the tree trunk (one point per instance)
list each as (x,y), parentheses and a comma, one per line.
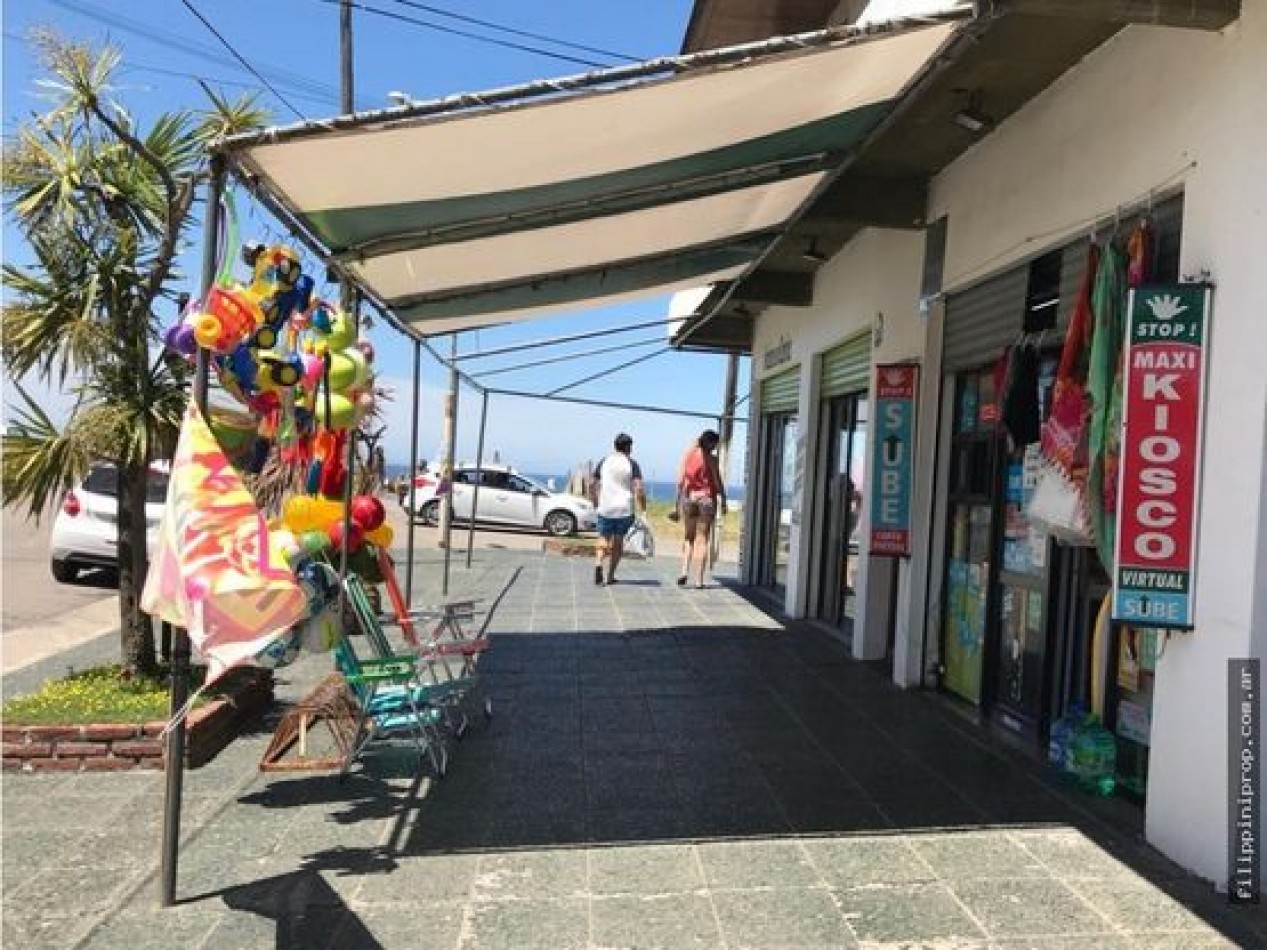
(136,635)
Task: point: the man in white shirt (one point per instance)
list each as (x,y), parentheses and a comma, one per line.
(617,492)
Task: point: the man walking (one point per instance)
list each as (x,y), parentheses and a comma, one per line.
(617,492)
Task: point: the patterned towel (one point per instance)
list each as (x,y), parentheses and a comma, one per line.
(216,571)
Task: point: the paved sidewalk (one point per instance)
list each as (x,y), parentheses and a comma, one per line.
(666,767)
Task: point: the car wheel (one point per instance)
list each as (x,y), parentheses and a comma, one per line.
(560,523)
(64,572)
(431,513)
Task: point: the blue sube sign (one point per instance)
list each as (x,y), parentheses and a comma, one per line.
(893,451)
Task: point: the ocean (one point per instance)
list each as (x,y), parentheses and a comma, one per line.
(656,491)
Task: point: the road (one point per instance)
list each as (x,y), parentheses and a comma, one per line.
(31,596)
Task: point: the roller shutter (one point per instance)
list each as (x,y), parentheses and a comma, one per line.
(780,393)
(983,319)
(847,367)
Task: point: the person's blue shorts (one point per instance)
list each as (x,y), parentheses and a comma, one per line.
(614,527)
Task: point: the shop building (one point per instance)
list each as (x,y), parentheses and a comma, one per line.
(960,229)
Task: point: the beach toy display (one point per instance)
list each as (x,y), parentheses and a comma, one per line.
(304,379)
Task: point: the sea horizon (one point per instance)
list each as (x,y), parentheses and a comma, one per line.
(656,490)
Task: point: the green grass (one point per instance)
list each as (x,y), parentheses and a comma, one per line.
(100,694)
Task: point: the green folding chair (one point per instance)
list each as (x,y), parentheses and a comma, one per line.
(391,702)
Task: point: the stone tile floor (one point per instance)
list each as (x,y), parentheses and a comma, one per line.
(666,768)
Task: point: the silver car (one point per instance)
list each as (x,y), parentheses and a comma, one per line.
(505,497)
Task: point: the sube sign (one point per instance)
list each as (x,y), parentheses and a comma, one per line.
(1164,393)
(895,387)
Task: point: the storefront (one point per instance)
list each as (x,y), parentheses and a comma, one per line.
(777,478)
(839,481)
(1019,608)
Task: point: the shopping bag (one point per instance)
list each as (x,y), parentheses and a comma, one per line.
(1058,507)
(639,541)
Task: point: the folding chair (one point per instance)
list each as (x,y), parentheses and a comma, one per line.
(445,693)
(390,701)
(443,635)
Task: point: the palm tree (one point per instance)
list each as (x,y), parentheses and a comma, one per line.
(104,206)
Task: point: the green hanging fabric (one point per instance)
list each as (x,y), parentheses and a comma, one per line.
(1108,300)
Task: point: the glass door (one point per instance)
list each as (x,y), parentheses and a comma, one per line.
(778,438)
(845,438)
(970,536)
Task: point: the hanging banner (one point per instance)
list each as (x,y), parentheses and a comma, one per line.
(893,451)
(1158,480)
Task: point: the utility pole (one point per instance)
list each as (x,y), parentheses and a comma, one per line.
(725,434)
(347,107)
(450,452)
(729,396)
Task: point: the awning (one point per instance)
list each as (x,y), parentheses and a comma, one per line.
(482,209)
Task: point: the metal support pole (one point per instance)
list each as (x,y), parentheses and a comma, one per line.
(450,457)
(174,750)
(413,489)
(479,467)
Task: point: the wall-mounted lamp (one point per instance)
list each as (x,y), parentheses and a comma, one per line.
(813,253)
(972,117)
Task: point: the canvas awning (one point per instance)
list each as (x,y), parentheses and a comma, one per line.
(478,210)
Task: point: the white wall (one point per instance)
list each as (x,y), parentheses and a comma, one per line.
(878,272)
(1152,109)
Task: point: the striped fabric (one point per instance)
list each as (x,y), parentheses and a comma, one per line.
(501,213)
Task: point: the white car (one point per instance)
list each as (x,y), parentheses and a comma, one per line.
(85,533)
(505,497)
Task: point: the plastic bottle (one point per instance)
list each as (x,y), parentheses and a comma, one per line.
(1061,737)
(1093,756)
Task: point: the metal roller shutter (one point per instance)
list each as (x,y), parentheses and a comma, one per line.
(780,393)
(983,319)
(847,367)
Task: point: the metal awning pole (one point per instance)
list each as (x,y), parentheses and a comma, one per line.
(413,489)
(174,751)
(479,467)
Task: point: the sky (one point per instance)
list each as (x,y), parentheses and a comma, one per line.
(294,44)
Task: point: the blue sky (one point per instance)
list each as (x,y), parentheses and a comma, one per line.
(295,44)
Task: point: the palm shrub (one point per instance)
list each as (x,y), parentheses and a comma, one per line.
(104,203)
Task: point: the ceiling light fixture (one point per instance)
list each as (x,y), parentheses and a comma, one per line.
(813,254)
(972,117)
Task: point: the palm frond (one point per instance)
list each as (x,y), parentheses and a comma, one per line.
(40,462)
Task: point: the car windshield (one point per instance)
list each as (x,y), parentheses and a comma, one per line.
(104,480)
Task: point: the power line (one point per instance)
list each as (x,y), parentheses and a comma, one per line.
(174,41)
(516,32)
(241,59)
(507,44)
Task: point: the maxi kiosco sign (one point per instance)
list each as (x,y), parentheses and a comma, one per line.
(1164,396)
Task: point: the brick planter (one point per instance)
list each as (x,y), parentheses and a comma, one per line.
(117,747)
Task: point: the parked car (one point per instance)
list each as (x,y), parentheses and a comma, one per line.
(505,497)
(85,532)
